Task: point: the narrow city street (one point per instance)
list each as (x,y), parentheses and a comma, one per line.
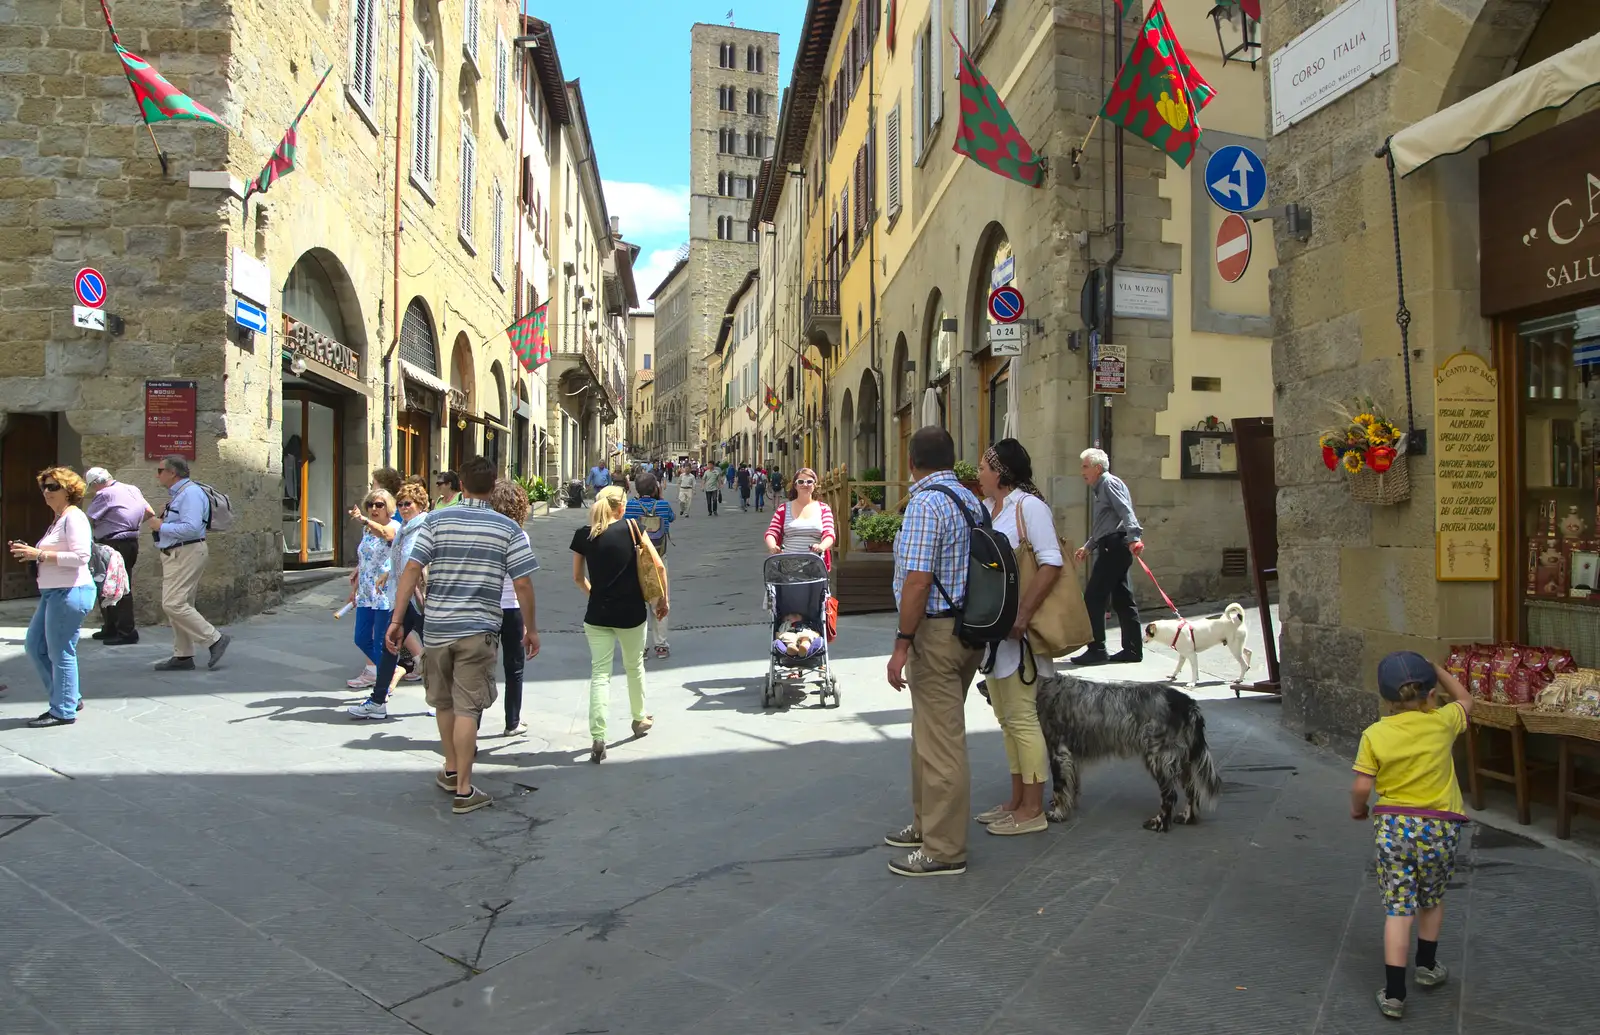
(227,852)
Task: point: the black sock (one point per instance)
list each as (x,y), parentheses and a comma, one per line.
(1427,953)
(1395,982)
(450,772)
(468,794)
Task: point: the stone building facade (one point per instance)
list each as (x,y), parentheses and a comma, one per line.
(1358,580)
(385,261)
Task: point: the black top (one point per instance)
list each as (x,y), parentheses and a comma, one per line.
(744,478)
(614,598)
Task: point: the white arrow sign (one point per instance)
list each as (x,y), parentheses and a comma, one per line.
(1237,183)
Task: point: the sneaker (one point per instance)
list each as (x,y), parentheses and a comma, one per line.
(642,726)
(1395,1008)
(994,815)
(921,864)
(907,836)
(47,720)
(409,677)
(1091,657)
(663,651)
(1432,977)
(218,649)
(445,781)
(1012,825)
(368,709)
(432,711)
(175,664)
(1126,657)
(516,729)
(367,678)
(472,801)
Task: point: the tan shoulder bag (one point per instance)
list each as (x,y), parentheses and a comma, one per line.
(1061,623)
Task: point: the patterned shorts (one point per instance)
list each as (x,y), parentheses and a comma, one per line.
(1416,859)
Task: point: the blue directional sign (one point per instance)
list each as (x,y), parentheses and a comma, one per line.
(251,316)
(1236,178)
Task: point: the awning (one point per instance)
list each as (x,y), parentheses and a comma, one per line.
(424,378)
(1549,84)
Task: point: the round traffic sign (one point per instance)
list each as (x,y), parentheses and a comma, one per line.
(1233,248)
(1005,304)
(90,287)
(1236,178)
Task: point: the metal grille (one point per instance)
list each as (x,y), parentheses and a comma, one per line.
(416,340)
(1235,561)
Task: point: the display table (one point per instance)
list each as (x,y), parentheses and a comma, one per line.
(1575,735)
(1485,716)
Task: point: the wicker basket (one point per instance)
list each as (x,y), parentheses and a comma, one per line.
(1560,724)
(1386,489)
(1499,716)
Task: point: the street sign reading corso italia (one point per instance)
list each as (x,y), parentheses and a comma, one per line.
(1236,179)
(1005,304)
(1233,248)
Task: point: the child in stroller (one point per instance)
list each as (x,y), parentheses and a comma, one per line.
(797,598)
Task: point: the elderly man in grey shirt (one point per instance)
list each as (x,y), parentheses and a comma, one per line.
(1115,537)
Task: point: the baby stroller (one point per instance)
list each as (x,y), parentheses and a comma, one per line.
(798,584)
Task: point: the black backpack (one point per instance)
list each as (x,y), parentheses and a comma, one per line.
(994,590)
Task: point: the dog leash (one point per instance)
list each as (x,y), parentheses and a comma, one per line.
(1183,623)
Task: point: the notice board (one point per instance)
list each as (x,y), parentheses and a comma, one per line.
(1466,470)
(169,419)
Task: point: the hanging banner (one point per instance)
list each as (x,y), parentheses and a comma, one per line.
(1466,470)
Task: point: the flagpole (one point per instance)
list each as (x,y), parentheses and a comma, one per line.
(160,154)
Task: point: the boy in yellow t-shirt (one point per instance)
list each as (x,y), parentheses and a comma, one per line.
(1406,755)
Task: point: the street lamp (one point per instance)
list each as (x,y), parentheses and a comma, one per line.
(1248,15)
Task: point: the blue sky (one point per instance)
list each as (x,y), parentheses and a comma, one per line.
(633,60)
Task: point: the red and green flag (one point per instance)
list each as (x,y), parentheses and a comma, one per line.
(987,133)
(1159,94)
(529,340)
(159,100)
(282,161)
(772,400)
(805,361)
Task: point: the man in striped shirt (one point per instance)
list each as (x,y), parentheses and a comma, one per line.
(469,550)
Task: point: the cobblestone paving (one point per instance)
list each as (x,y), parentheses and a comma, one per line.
(228,852)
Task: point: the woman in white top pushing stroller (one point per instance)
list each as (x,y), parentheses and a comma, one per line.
(797,597)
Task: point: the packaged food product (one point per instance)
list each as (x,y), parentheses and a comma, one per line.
(1560,660)
(1456,662)
(1524,684)
(1502,667)
(1478,674)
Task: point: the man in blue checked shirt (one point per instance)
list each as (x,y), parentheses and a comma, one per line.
(180,534)
(934,543)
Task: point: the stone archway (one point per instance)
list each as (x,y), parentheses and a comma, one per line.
(869,423)
(993,265)
(847,421)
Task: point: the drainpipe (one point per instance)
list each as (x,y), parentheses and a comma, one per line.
(878,420)
(1100,419)
(394,341)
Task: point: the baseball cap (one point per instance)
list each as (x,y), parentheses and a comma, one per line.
(96,476)
(1403,667)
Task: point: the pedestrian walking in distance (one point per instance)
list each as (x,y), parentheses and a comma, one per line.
(711,485)
(653,515)
(746,483)
(116,510)
(934,544)
(685,490)
(449,485)
(606,554)
(509,499)
(1115,540)
(379,527)
(469,551)
(180,535)
(1407,757)
(761,489)
(66,593)
(412,505)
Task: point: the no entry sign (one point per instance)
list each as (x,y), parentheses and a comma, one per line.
(90,287)
(1233,248)
(1005,304)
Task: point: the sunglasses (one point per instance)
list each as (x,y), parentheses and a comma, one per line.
(804,481)
(49,487)
(376,503)
(406,503)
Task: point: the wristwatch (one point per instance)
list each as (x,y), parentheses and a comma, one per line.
(905,636)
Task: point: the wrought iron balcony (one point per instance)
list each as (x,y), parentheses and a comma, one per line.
(820,314)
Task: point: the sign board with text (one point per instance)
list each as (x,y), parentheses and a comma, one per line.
(1007,339)
(1338,54)
(169,418)
(1110,369)
(1141,296)
(1466,470)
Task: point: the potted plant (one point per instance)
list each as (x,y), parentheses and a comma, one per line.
(1370,450)
(877,531)
(538,494)
(967,474)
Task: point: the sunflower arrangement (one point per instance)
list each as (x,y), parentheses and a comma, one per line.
(1365,439)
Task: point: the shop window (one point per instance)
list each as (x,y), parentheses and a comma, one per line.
(309,298)
(311,525)
(1559,405)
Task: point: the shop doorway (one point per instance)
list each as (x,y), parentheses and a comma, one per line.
(414,435)
(996,374)
(312,482)
(27,447)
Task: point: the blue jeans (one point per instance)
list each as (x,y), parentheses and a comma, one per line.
(371,624)
(761,496)
(52,643)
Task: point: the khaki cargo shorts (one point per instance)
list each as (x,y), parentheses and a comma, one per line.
(459,676)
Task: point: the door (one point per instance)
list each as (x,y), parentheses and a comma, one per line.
(312,483)
(29,447)
(414,431)
(992,406)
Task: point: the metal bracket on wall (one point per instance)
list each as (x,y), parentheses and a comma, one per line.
(1296,219)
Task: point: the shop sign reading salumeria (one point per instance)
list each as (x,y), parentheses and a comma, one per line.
(301,340)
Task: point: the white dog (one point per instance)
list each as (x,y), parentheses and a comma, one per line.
(1190,638)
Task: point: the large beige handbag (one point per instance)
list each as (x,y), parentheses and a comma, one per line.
(1061,624)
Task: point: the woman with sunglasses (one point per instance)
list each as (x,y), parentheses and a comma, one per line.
(66,594)
(376,515)
(805,523)
(412,503)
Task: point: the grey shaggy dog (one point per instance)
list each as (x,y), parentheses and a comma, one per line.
(1085,722)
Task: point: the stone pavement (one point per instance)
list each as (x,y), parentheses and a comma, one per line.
(226,852)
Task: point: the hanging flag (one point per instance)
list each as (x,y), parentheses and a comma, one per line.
(159,100)
(772,400)
(282,163)
(528,338)
(805,362)
(749,411)
(987,134)
(1159,94)
(894,23)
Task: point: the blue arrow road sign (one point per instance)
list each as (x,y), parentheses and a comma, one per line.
(251,316)
(1236,179)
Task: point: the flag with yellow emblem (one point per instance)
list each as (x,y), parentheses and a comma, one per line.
(1159,93)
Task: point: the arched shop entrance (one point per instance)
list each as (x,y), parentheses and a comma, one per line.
(994,266)
(464,419)
(424,392)
(324,425)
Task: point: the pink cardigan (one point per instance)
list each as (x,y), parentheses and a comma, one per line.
(68,542)
(780,518)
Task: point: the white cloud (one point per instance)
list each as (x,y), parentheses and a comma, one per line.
(650,270)
(649,211)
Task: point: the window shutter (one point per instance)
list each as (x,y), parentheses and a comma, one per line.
(936,80)
(469,169)
(891,133)
(497,233)
(961,26)
(362,46)
(422,145)
(469,31)
(916,98)
(502,74)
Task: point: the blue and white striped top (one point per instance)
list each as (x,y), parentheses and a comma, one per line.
(469,551)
